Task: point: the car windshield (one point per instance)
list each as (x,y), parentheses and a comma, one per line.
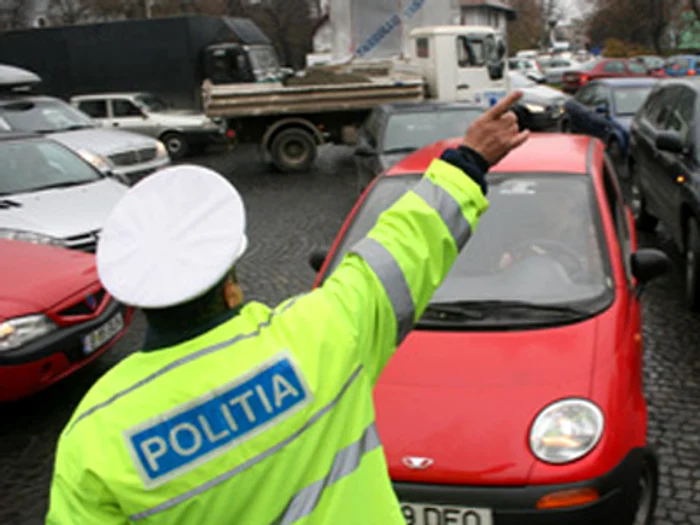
(151,102)
(629,100)
(34,165)
(42,116)
(416,129)
(540,243)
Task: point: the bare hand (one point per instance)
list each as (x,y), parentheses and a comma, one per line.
(496,133)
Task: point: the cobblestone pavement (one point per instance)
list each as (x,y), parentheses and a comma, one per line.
(289,216)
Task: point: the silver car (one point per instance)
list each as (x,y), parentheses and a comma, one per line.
(181,131)
(127,156)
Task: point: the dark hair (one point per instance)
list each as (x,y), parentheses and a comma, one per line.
(194,312)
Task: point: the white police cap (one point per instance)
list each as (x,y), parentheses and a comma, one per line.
(171,238)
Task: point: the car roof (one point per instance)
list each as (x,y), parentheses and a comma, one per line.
(628,82)
(98,96)
(410,107)
(691,82)
(543,153)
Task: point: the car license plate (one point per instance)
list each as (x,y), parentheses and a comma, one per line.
(102,335)
(422,514)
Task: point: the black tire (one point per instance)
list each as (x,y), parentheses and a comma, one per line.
(176,144)
(643,219)
(692,265)
(648,490)
(294,150)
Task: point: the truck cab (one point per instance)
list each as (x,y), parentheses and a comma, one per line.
(460,63)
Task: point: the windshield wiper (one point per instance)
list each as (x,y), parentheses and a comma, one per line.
(448,312)
(495,306)
(63,185)
(407,149)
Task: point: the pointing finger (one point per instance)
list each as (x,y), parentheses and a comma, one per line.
(503,106)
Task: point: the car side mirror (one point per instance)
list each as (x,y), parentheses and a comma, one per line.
(648,264)
(501,49)
(602,109)
(317,259)
(365,150)
(670,141)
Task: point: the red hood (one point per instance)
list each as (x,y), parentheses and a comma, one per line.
(33,278)
(467,400)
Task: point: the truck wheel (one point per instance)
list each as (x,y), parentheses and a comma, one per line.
(294,150)
(692,266)
(176,145)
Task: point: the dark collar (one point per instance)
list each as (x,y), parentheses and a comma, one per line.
(160,338)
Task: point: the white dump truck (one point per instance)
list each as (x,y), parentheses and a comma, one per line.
(290,119)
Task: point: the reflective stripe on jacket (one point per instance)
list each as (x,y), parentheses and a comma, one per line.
(268,418)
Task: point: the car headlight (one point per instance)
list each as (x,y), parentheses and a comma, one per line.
(535,108)
(566,431)
(97,161)
(161,150)
(31,237)
(21,330)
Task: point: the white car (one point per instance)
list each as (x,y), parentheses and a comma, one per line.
(50,195)
(555,68)
(529,68)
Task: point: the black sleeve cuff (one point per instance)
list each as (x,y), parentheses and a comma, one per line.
(470,162)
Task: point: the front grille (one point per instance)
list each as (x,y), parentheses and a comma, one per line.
(85,242)
(148,154)
(129,158)
(88,306)
(126,158)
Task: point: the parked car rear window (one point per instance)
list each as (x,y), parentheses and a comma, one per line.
(418,129)
(549,223)
(636,67)
(34,165)
(628,100)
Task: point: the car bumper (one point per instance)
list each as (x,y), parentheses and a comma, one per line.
(618,491)
(136,172)
(45,361)
(206,136)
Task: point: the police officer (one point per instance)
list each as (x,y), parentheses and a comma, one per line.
(251,415)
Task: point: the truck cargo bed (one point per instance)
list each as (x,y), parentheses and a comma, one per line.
(247,100)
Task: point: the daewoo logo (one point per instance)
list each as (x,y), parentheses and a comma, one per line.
(416,463)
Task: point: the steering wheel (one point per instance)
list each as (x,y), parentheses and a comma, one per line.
(569,258)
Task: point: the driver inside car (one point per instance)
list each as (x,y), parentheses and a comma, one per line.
(563,233)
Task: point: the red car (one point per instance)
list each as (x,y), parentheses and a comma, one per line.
(55,317)
(518,397)
(572,81)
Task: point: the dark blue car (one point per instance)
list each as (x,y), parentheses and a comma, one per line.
(682,66)
(605,108)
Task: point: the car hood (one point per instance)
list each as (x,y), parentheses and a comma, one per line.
(543,95)
(467,399)
(389,160)
(624,122)
(33,278)
(103,142)
(63,212)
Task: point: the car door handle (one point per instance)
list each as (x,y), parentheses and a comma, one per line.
(115,124)
(463,86)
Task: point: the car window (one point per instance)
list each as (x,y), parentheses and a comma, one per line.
(600,96)
(151,102)
(420,128)
(680,118)
(637,68)
(546,223)
(93,108)
(628,100)
(372,125)
(585,95)
(125,108)
(666,102)
(652,106)
(35,165)
(614,67)
(43,116)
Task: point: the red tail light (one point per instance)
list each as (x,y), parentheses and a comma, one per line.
(231,134)
(691,72)
(584,79)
